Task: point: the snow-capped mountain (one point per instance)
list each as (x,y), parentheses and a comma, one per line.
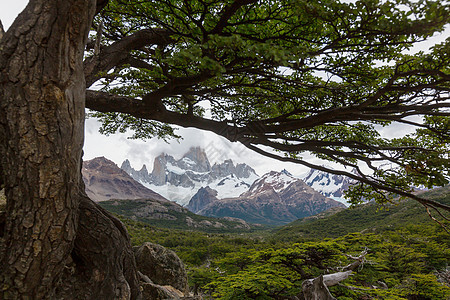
(329,185)
(274,180)
(179,180)
(275,198)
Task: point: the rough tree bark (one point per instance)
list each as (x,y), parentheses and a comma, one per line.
(53,236)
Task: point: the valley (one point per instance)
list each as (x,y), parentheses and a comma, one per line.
(407,254)
(261,239)
(223,190)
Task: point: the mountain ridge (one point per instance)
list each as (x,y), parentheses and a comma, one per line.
(329,185)
(180,179)
(168,214)
(275,198)
(104,180)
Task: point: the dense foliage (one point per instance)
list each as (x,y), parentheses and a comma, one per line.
(408,256)
(322,77)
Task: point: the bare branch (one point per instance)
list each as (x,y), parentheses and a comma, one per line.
(357,261)
(228,12)
(436,220)
(365,180)
(99,38)
(116,53)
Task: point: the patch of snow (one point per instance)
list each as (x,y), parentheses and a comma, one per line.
(180,195)
(175,169)
(325,185)
(279,181)
(229,187)
(249,180)
(189,161)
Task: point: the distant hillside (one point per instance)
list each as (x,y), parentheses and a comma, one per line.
(104,180)
(367,217)
(167,214)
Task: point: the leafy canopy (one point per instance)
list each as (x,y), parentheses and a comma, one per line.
(294,77)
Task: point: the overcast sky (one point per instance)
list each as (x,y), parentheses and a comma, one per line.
(118,148)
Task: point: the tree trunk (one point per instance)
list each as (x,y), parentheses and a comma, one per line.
(316,289)
(49,220)
(102,265)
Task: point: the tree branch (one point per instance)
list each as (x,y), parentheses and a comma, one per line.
(152,110)
(116,53)
(317,288)
(427,202)
(99,38)
(228,12)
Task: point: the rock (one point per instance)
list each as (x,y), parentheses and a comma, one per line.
(196,160)
(162,266)
(141,175)
(158,175)
(202,198)
(241,223)
(152,291)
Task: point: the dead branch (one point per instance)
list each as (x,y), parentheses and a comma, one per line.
(317,288)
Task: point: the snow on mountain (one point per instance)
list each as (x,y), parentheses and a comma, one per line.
(275,198)
(232,186)
(179,194)
(329,185)
(179,180)
(277,180)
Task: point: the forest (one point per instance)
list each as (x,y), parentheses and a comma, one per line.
(407,254)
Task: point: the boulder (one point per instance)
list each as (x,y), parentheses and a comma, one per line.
(162,266)
(152,291)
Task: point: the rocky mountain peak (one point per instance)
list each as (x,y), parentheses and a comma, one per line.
(104,180)
(286,172)
(272,180)
(196,160)
(202,198)
(159,169)
(105,166)
(141,175)
(179,180)
(275,198)
(126,165)
(330,185)
(143,169)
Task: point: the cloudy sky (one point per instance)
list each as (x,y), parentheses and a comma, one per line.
(118,148)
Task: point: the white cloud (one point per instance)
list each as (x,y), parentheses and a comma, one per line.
(9,11)
(118,148)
